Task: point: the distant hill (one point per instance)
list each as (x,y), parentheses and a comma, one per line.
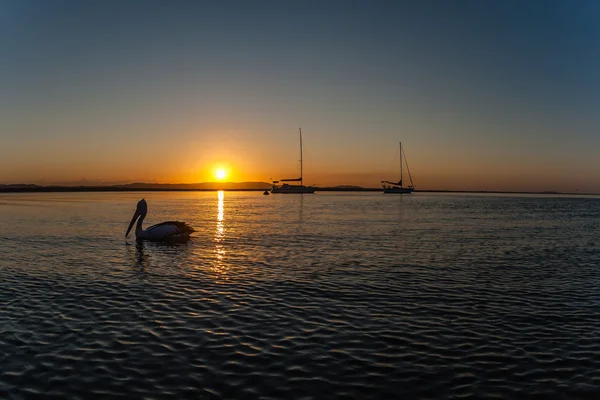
(19,186)
(347,188)
(201,186)
(137,187)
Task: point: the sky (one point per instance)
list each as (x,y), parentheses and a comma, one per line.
(484,95)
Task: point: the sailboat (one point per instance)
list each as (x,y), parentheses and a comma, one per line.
(396,187)
(287,188)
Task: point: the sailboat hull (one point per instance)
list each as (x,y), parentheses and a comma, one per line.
(292,189)
(398,190)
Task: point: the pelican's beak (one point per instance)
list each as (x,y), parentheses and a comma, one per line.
(136,215)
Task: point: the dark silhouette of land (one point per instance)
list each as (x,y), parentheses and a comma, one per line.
(136,187)
(227,186)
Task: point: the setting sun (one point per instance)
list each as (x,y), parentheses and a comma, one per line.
(220,173)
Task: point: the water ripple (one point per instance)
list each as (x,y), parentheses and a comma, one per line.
(497,299)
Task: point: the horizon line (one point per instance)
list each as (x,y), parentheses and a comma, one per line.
(33,188)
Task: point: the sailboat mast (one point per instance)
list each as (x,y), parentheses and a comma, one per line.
(300,129)
(400,164)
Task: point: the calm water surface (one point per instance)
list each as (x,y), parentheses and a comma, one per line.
(316,296)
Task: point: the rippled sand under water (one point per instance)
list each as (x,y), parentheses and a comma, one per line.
(320,296)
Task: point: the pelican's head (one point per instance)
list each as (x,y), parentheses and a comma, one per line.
(141,210)
(142,207)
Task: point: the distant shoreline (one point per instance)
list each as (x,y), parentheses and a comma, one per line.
(82,189)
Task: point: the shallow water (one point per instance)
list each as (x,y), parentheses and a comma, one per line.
(312,296)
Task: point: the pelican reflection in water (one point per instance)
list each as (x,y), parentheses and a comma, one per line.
(163,232)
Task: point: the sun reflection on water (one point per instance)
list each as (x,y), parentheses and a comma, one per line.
(221,196)
(219,267)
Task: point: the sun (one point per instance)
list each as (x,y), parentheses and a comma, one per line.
(220,173)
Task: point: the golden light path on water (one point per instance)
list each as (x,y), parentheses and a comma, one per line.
(220,267)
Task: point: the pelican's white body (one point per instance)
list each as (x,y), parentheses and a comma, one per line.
(165,231)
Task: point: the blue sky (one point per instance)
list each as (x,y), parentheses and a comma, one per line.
(483,94)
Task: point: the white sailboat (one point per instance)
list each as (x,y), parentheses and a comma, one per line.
(287,188)
(396,187)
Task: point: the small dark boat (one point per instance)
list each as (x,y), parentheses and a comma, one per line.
(266,193)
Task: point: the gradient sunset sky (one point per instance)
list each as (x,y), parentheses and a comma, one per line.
(484,95)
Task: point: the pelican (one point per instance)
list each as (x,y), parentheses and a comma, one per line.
(163,232)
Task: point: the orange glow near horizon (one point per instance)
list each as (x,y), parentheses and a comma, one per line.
(430,169)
